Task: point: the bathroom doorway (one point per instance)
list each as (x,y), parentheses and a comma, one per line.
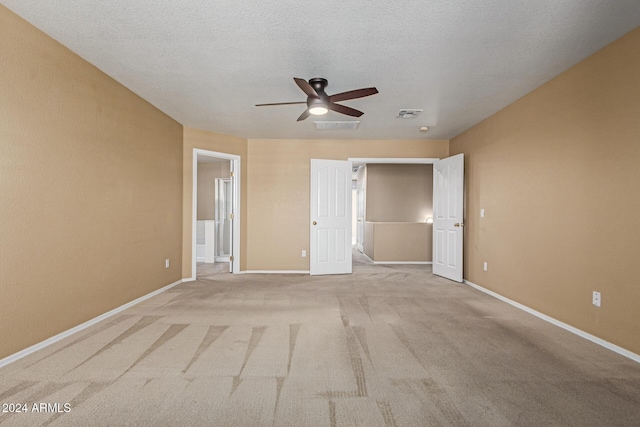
(222,219)
(216,212)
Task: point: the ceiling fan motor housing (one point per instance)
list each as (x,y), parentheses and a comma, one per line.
(318,84)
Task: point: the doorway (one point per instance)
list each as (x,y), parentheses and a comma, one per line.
(394,205)
(446,216)
(215,213)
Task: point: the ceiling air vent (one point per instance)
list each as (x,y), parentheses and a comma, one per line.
(408,113)
(326,125)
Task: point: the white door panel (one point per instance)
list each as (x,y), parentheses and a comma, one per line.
(448,199)
(439,247)
(322,245)
(330,237)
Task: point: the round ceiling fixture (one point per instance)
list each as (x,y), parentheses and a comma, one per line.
(317,106)
(424,129)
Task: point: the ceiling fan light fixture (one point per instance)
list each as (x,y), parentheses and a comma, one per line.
(317,107)
(318,110)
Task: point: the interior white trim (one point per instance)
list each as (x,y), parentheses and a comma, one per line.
(274,272)
(606,344)
(397,262)
(235,159)
(393,160)
(54,339)
(404,262)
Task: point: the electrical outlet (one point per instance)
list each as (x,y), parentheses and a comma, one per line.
(597,299)
(481,213)
(166,263)
(485,266)
(304,254)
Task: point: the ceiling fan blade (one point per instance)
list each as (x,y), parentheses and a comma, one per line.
(353,94)
(304,115)
(280,103)
(345,110)
(306,87)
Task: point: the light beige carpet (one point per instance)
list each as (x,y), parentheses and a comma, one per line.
(385,346)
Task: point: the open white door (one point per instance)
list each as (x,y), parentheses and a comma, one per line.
(448,198)
(330,239)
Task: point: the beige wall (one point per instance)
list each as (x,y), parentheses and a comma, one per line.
(548,170)
(278,210)
(399,241)
(90,190)
(368,246)
(206,140)
(207,174)
(399,192)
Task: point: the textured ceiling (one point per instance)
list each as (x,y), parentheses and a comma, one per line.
(207,62)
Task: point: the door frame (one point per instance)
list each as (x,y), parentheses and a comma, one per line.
(361,202)
(395,160)
(236,183)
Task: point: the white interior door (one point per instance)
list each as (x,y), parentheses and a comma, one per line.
(330,238)
(448,198)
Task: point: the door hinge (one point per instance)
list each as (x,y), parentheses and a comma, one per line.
(231,257)
(231,216)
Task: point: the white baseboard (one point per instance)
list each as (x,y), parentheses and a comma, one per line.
(188,279)
(403,262)
(606,344)
(274,272)
(397,262)
(69,332)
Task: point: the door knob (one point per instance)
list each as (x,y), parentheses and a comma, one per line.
(458,224)
(315,223)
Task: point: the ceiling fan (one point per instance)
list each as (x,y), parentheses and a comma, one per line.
(319,103)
